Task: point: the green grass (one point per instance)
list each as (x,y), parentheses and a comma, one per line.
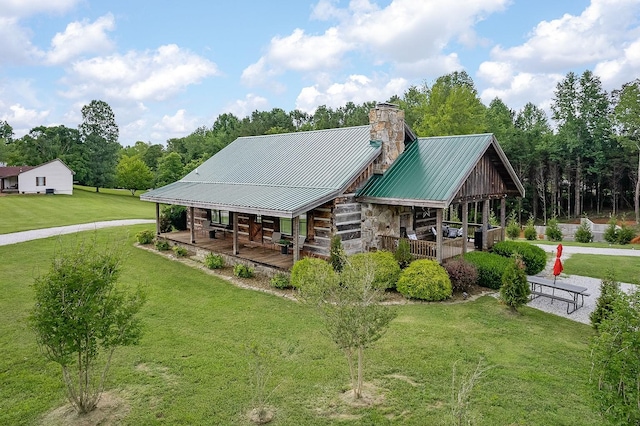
(28,212)
(593,245)
(625,268)
(192,366)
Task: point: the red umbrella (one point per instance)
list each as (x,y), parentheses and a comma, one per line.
(557,267)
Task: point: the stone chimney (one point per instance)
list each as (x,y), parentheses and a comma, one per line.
(387,128)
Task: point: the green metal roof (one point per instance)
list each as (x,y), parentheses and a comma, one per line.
(281,175)
(431,171)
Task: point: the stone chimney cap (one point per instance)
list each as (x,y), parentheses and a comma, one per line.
(386,104)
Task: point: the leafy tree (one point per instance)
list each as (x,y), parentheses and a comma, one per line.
(350,306)
(627,116)
(99,133)
(615,357)
(6,137)
(515,290)
(133,174)
(81,316)
(170,169)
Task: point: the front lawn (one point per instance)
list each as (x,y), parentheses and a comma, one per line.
(30,211)
(193,365)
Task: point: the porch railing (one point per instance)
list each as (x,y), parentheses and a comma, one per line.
(422,249)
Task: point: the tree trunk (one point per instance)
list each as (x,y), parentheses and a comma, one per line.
(97,189)
(578,189)
(360,370)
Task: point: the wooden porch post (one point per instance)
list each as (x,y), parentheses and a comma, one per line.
(157,219)
(235,232)
(485,225)
(296,234)
(465,225)
(439,237)
(191,222)
(503,217)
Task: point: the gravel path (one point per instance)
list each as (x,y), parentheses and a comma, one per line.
(20,237)
(592,284)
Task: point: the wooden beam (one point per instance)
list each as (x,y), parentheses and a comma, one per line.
(465,225)
(439,237)
(236,250)
(485,225)
(503,216)
(158,219)
(296,242)
(191,222)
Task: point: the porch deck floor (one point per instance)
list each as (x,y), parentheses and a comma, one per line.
(264,254)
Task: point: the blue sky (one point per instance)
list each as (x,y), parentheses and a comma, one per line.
(168,67)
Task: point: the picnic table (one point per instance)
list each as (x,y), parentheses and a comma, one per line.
(542,287)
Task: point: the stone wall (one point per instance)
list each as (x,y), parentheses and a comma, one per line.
(387,126)
(378,220)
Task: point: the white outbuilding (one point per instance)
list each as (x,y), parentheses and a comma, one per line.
(54,177)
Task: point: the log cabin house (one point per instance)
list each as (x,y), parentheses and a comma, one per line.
(371,185)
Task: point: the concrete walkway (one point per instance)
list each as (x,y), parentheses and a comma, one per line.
(569,250)
(20,237)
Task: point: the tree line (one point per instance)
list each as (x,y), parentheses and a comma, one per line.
(584,158)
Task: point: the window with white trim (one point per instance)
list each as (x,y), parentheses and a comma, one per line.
(41,181)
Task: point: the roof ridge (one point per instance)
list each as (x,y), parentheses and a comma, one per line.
(256,184)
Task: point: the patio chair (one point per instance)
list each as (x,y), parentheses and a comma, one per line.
(275,237)
(301,240)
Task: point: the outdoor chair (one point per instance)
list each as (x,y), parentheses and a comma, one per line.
(275,237)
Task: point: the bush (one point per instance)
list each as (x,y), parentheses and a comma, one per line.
(310,271)
(553,232)
(180,251)
(337,256)
(583,233)
(530,231)
(490,267)
(611,233)
(242,271)
(609,293)
(162,245)
(280,281)
(515,289)
(387,270)
(625,234)
(173,216)
(145,237)
(214,261)
(403,253)
(533,257)
(513,228)
(463,275)
(426,280)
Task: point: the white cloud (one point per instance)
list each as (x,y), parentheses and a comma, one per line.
(22,119)
(357,89)
(244,107)
(524,87)
(622,70)
(138,76)
(24,8)
(80,38)
(597,34)
(16,46)
(178,124)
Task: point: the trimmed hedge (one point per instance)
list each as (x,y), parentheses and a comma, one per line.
(534,257)
(387,270)
(309,270)
(425,279)
(463,274)
(490,267)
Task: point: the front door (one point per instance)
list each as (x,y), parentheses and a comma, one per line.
(255,228)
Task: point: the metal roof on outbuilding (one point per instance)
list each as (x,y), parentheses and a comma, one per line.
(281,175)
(431,171)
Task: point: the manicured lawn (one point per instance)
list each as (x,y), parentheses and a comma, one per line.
(192,365)
(28,212)
(625,268)
(593,245)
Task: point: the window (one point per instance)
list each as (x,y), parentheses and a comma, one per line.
(41,181)
(219,216)
(286,225)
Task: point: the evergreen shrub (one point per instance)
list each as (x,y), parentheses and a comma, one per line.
(583,233)
(515,289)
(533,257)
(243,271)
(426,280)
(609,293)
(530,230)
(214,261)
(513,228)
(463,275)
(387,270)
(403,253)
(553,232)
(309,270)
(490,267)
(145,237)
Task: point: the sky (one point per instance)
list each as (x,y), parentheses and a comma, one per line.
(168,67)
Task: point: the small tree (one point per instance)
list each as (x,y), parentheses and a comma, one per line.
(553,232)
(583,233)
(515,289)
(513,228)
(81,317)
(350,307)
(403,253)
(530,230)
(615,358)
(609,293)
(133,174)
(337,256)
(611,233)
